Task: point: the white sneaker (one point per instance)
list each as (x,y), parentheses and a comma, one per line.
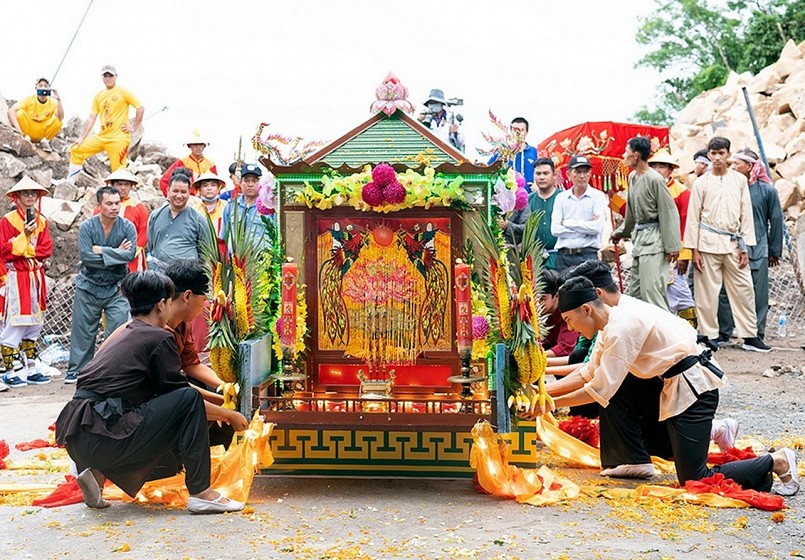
(724,433)
(645,470)
(3,387)
(46,370)
(790,487)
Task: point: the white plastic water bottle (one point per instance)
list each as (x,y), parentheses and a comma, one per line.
(782,325)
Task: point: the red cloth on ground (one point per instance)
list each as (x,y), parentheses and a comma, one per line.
(65,494)
(582,429)
(733,454)
(727,487)
(35,444)
(4,451)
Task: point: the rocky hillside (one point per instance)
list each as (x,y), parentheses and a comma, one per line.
(777,95)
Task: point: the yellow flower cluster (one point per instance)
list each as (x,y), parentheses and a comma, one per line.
(243,324)
(221,359)
(531,362)
(422,190)
(504,306)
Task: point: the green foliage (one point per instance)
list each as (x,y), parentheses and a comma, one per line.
(695,44)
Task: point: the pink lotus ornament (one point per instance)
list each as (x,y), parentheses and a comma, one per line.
(391,95)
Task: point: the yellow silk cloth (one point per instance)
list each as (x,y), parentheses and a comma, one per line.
(489,456)
(578,452)
(232,470)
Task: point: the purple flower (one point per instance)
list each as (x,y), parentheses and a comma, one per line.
(520,179)
(279,326)
(372,194)
(503,197)
(394,193)
(383,175)
(521,199)
(480,327)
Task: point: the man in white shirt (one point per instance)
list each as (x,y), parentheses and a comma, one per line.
(578,219)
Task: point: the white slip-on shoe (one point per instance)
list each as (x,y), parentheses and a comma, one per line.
(91,490)
(724,433)
(790,487)
(645,470)
(221,504)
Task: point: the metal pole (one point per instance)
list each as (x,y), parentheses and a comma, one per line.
(786,235)
(756,130)
(71,42)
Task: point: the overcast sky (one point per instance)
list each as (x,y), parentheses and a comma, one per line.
(310,68)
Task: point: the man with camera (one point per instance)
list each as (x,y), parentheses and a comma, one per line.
(25,244)
(38,117)
(112,105)
(445,125)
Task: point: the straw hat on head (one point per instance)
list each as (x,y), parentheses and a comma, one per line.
(663,156)
(207,176)
(27,184)
(196,138)
(122,175)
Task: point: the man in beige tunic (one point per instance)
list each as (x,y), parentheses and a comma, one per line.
(652,222)
(719,228)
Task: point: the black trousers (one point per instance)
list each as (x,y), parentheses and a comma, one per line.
(689,433)
(630,428)
(566,260)
(172,434)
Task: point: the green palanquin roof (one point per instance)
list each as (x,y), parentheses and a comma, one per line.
(391,139)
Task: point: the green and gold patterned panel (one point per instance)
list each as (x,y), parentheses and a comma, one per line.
(393,453)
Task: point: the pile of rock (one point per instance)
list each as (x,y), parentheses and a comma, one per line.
(70,204)
(777,96)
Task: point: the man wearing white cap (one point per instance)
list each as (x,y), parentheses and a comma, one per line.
(25,244)
(133,210)
(112,105)
(195,162)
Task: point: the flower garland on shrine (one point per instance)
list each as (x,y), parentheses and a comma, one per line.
(382,189)
(513,298)
(245,288)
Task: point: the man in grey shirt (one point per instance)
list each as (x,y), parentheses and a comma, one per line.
(107,243)
(175,231)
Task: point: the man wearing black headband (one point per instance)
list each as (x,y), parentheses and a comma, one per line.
(651,343)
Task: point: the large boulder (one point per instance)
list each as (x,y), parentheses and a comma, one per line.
(10,166)
(792,167)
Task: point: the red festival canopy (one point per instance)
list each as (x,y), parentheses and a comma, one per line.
(603,143)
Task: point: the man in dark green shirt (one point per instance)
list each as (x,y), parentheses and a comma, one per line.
(541,200)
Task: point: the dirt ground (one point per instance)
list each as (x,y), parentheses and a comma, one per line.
(325,519)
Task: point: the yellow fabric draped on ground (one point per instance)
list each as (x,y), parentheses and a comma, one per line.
(232,470)
(578,452)
(489,456)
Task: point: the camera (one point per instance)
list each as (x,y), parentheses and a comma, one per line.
(45,92)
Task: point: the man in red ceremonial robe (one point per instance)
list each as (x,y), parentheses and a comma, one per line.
(195,162)
(25,244)
(133,210)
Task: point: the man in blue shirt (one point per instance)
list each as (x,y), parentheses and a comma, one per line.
(524,160)
(245,206)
